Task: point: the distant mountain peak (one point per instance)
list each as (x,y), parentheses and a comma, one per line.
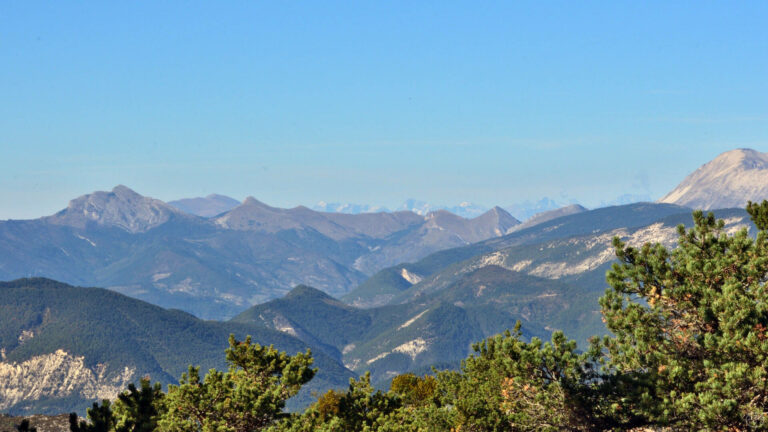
(498,218)
(122,207)
(549,215)
(526,209)
(729,180)
(253,202)
(124,191)
(496,210)
(209,206)
(307,291)
(442,213)
(500,215)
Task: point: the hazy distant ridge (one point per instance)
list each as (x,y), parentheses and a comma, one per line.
(208,206)
(217,266)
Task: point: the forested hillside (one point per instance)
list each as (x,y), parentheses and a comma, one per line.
(687,351)
(63,346)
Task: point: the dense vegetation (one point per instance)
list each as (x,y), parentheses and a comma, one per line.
(687,352)
(111,329)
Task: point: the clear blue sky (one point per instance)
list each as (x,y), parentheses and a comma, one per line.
(373,102)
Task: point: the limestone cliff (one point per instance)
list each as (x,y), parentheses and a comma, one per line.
(58,375)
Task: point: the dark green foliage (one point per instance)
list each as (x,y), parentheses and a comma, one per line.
(359,408)
(759,214)
(111,329)
(415,390)
(513,385)
(690,326)
(100,419)
(362,406)
(137,410)
(250,396)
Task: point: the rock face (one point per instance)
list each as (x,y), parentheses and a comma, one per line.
(729,180)
(58,375)
(122,208)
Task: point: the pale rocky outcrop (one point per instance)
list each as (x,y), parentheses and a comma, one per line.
(58,375)
(122,208)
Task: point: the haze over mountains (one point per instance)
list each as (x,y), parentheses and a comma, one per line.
(385,292)
(208,206)
(216,266)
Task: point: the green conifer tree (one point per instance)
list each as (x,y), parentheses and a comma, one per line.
(137,410)
(101,419)
(250,396)
(690,327)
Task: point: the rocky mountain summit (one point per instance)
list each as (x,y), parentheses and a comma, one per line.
(729,180)
(122,208)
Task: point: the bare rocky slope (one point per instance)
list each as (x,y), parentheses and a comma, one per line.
(728,181)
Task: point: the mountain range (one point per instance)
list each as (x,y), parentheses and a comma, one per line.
(381,292)
(214,267)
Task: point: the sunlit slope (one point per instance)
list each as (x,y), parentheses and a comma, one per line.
(383,287)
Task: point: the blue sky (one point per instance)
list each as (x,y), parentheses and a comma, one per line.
(373,102)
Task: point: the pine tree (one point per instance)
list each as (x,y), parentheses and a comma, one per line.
(690,327)
(510,384)
(101,419)
(137,410)
(250,396)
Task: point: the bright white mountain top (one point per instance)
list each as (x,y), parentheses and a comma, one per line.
(729,180)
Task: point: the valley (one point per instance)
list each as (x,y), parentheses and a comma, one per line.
(387,293)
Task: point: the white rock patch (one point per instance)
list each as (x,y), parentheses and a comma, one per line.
(412,320)
(58,374)
(412,278)
(412,348)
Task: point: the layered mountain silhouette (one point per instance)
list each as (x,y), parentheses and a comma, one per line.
(423,288)
(217,266)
